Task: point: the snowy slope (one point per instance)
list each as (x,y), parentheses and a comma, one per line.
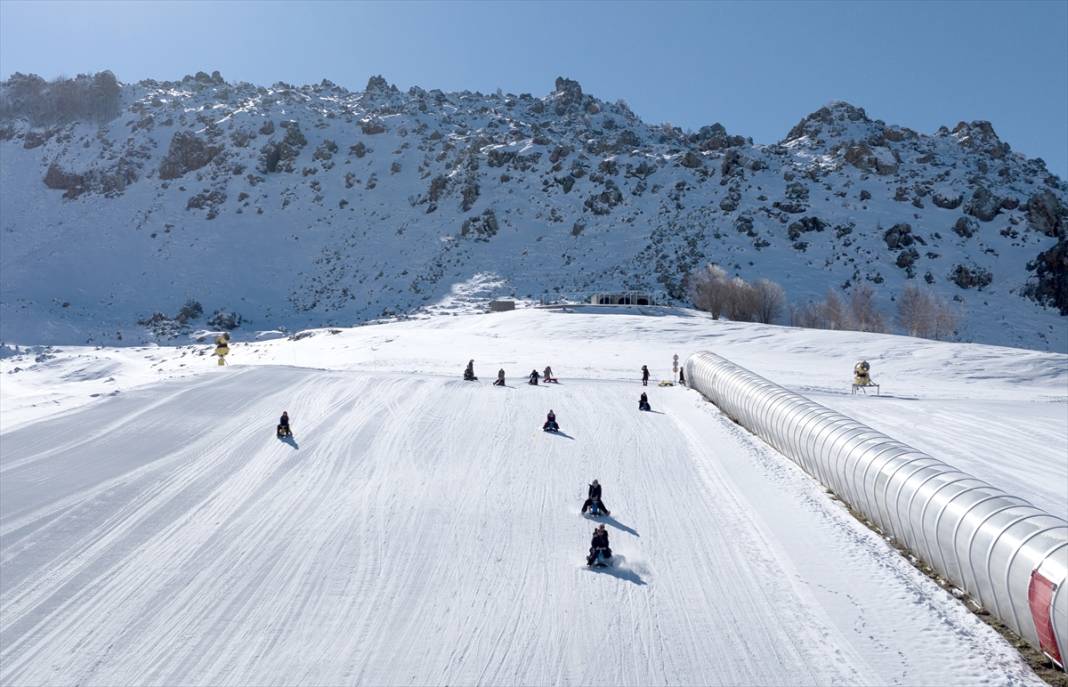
(425,531)
(998,413)
(298,206)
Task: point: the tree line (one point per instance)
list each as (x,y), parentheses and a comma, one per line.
(919,312)
(93,98)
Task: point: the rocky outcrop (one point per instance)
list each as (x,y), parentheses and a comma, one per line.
(1049,285)
(480,227)
(881,160)
(1047,215)
(825,120)
(970,276)
(898,236)
(983,205)
(965,227)
(568,97)
(281,156)
(715,137)
(59,179)
(947,202)
(187,152)
(979,136)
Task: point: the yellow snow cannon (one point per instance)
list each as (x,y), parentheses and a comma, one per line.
(862,377)
(222,347)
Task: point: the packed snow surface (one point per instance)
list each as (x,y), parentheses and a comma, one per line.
(423,530)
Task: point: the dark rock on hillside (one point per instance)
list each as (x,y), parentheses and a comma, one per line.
(187,152)
(966,227)
(947,203)
(898,236)
(715,137)
(57,178)
(983,204)
(1047,215)
(480,227)
(1049,285)
(970,277)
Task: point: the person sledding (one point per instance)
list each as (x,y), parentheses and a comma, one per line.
(593,502)
(500,378)
(533,378)
(469,372)
(550,423)
(283,426)
(547,376)
(600,551)
(643,402)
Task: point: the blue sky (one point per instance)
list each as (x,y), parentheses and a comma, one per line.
(756,67)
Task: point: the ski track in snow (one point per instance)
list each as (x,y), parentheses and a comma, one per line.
(423,530)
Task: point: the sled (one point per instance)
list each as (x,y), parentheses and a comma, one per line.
(600,560)
(596,511)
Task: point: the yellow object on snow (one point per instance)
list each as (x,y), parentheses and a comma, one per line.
(862,377)
(861,373)
(222,347)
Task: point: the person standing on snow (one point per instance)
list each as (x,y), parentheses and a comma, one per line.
(645,375)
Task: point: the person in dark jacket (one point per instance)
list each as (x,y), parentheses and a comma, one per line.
(593,495)
(550,422)
(599,543)
(534,377)
(500,378)
(283,425)
(682,377)
(645,375)
(643,402)
(547,376)
(469,372)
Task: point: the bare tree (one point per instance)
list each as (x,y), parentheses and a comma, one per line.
(915,312)
(832,312)
(946,320)
(742,303)
(864,315)
(807,316)
(770,300)
(711,290)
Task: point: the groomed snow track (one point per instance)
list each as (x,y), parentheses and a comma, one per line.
(421,530)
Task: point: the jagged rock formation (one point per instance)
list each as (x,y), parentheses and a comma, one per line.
(300,205)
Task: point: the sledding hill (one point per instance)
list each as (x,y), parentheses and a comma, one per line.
(423,530)
(314,205)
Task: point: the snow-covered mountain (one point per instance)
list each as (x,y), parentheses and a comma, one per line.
(313,205)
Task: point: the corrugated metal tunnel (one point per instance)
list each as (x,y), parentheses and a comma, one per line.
(1007,554)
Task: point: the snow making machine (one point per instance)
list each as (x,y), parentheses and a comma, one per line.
(862,378)
(222,347)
